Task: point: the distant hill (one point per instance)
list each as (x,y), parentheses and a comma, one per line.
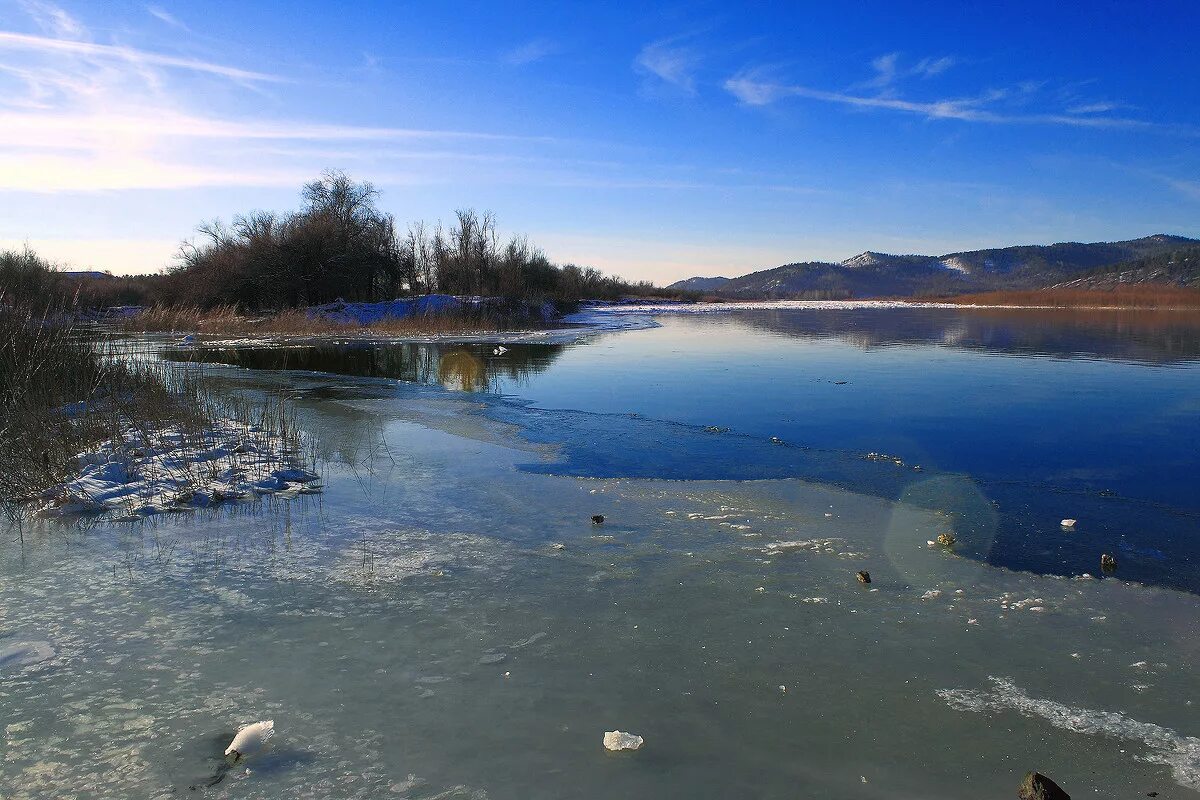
(1174,268)
(699,284)
(873,274)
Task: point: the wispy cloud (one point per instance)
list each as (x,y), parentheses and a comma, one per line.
(889,70)
(77,115)
(531,51)
(68,130)
(162,15)
(1189,188)
(43,44)
(885,71)
(928,67)
(752,89)
(670,62)
(53,19)
(1093,108)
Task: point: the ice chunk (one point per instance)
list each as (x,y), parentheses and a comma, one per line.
(617,740)
(250,739)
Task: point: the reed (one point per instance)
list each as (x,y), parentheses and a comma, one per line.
(1131,296)
(226,321)
(66,390)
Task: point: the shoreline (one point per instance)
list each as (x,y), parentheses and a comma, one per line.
(593,318)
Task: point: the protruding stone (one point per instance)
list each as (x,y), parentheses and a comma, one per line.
(946,539)
(1108,562)
(597,519)
(863,576)
(618,740)
(1037,786)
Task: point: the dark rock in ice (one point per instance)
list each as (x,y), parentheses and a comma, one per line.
(863,576)
(1037,786)
(597,519)
(1108,563)
(946,539)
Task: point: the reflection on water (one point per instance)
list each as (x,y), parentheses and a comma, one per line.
(460,367)
(1149,336)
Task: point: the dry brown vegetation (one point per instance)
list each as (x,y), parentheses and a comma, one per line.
(226,321)
(1133,296)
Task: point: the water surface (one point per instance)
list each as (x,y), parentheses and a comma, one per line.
(446,621)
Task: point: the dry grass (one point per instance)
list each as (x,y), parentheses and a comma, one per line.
(226,321)
(64,390)
(1133,296)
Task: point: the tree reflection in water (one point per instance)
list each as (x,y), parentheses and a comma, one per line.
(459,367)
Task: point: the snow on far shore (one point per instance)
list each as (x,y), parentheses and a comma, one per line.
(172,470)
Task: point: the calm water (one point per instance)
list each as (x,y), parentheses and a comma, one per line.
(414,632)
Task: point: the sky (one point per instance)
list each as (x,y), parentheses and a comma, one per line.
(654,141)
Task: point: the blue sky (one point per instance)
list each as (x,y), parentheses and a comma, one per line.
(654,141)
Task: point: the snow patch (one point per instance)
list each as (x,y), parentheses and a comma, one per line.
(175,470)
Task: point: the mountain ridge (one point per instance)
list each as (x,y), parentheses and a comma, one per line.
(875,274)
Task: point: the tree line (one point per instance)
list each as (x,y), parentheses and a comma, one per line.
(339,245)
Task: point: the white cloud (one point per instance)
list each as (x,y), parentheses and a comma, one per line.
(163,15)
(531,51)
(1093,108)
(42,44)
(76,115)
(752,90)
(670,62)
(885,71)
(928,67)
(53,19)
(889,71)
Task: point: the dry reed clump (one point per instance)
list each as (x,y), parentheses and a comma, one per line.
(67,392)
(1132,296)
(226,321)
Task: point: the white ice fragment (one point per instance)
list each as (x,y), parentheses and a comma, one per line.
(617,740)
(931,594)
(1068,523)
(251,739)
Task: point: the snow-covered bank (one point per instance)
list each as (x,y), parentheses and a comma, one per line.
(176,470)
